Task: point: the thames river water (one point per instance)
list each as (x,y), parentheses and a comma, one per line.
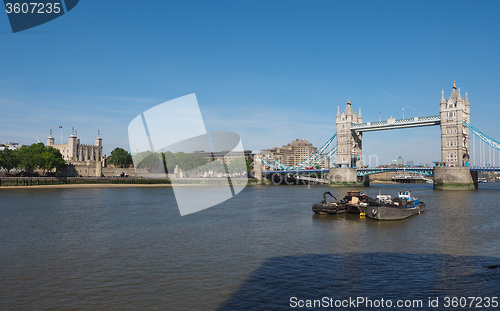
(129,249)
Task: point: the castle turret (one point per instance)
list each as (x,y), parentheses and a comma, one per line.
(73,146)
(50,139)
(98,140)
(454,93)
(98,143)
(349,113)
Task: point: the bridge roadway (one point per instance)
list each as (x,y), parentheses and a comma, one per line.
(396,124)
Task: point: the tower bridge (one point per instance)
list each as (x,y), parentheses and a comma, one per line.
(454,133)
(454,171)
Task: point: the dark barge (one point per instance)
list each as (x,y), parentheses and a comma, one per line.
(387,208)
(352,203)
(383,207)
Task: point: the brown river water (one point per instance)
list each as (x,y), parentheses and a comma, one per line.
(129,249)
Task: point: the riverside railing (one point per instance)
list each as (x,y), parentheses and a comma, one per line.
(52,181)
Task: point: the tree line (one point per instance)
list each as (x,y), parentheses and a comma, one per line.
(167,161)
(30,158)
(46,158)
(157,162)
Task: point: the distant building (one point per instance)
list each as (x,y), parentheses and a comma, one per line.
(227,156)
(10,145)
(409,163)
(400,161)
(293,153)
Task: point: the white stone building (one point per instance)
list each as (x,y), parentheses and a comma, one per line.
(87,159)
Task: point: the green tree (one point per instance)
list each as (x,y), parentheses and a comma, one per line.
(52,158)
(120,157)
(30,157)
(185,161)
(238,166)
(153,162)
(41,157)
(9,159)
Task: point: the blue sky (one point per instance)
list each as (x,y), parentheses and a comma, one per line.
(271,71)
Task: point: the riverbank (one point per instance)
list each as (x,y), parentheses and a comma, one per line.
(47,183)
(10,182)
(72,186)
(382,182)
(54,182)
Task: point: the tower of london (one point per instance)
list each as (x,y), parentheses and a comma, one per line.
(76,153)
(82,160)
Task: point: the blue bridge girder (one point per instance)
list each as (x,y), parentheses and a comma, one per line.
(485,169)
(428,171)
(295,171)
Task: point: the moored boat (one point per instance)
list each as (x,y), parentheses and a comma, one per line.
(349,204)
(387,208)
(356,201)
(326,207)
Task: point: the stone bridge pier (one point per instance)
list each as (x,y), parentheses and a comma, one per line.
(347,177)
(455,178)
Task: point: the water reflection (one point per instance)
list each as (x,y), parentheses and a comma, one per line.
(391,276)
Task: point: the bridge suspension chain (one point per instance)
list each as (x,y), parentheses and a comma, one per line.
(490,141)
(484,140)
(316,158)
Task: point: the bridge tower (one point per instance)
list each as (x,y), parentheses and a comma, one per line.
(348,141)
(455,145)
(348,150)
(455,139)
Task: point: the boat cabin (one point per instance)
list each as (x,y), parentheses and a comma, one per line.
(405,195)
